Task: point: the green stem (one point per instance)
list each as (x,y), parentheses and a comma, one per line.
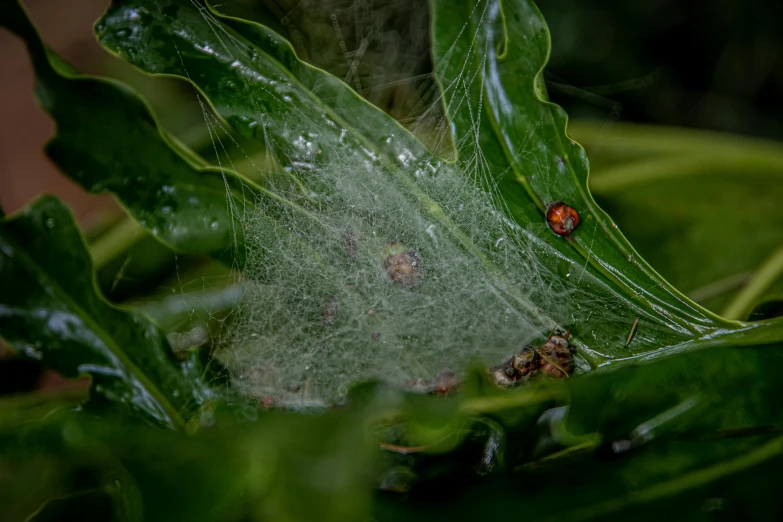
(632,140)
(624,175)
(181,308)
(507,401)
(720,287)
(115,241)
(770,271)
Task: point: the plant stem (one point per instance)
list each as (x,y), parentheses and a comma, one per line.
(720,287)
(632,140)
(115,241)
(769,272)
(645,170)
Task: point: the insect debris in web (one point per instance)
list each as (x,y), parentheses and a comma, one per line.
(443,385)
(402,264)
(632,333)
(553,359)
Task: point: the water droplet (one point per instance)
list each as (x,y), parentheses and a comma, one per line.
(244,125)
(168,189)
(214,225)
(32,353)
(165,210)
(193,201)
(122,33)
(50,223)
(226,84)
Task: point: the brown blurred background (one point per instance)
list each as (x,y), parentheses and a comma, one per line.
(25,172)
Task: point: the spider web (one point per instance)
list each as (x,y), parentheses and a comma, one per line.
(368,271)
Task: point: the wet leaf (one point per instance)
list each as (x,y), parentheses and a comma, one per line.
(107,140)
(51,311)
(488,59)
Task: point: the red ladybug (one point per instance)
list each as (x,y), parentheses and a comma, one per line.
(561,218)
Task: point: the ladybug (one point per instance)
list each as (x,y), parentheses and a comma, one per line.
(561,218)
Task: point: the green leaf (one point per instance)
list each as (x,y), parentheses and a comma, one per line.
(19,410)
(107,140)
(488,59)
(51,311)
(697,205)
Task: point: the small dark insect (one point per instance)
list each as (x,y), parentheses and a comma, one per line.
(329,313)
(445,383)
(267,403)
(442,385)
(351,244)
(402,265)
(561,218)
